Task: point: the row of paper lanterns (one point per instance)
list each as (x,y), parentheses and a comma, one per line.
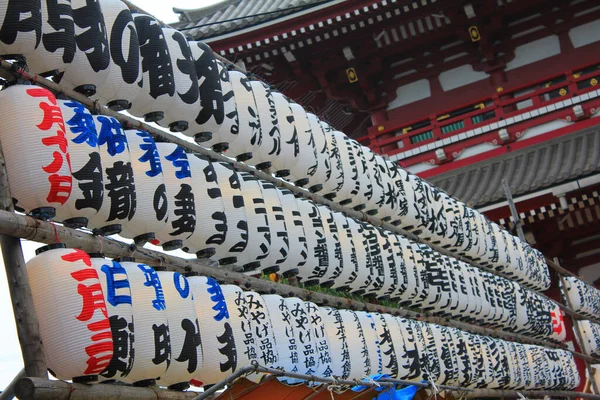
(583,298)
(130,322)
(116,180)
(590,336)
(131,62)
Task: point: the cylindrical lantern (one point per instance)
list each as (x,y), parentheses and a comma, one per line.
(270,147)
(308,357)
(266,347)
(590,333)
(256,254)
(242,325)
(333,246)
(385,203)
(356,341)
(91,64)
(390,281)
(317,260)
(87,192)
(280,242)
(180,197)
(212,221)
(359,280)
(68,298)
(339,345)
(152,205)
(124,82)
(153,353)
(20,26)
(209,119)
(186,101)
(57,48)
(290,147)
(120,197)
(336,181)
(323,173)
(285,336)
(375,243)
(236,235)
(367,323)
(349,267)
(37,157)
(297,248)
(404,334)
(220,353)
(249,137)
(158,75)
(348,194)
(117,293)
(399,266)
(321,340)
(304,171)
(184,331)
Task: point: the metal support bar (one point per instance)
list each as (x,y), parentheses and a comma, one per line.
(496,393)
(9,391)
(513,209)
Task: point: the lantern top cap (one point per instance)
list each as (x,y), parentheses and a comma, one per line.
(43,249)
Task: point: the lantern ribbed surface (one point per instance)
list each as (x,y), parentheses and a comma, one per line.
(590,333)
(211,220)
(236,235)
(356,342)
(286,337)
(349,193)
(290,147)
(280,241)
(407,349)
(360,280)
(152,207)
(256,254)
(184,329)
(57,46)
(152,337)
(335,182)
(298,248)
(124,81)
(364,176)
(323,172)
(250,134)
(219,350)
(212,112)
(374,242)
(264,334)
(320,336)
(349,261)
(41,181)
(181,220)
(303,173)
(333,246)
(21,26)
(390,277)
(117,293)
(339,345)
(120,197)
(308,357)
(91,64)
(367,323)
(186,101)
(71,309)
(158,75)
(87,192)
(317,261)
(270,146)
(230,128)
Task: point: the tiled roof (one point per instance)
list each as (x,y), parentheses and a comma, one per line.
(233,15)
(528,170)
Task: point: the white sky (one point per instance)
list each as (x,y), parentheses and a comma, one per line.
(11,360)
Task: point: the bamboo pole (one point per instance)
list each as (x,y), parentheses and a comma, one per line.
(529,393)
(27,227)
(28,329)
(9,391)
(513,209)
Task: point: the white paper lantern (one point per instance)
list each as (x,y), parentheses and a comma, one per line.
(186,101)
(305,169)
(317,260)
(590,333)
(270,147)
(356,341)
(349,193)
(256,255)
(290,147)
(152,332)
(364,176)
(375,166)
(20,26)
(360,280)
(280,242)
(336,181)
(390,281)
(91,64)
(264,333)
(334,247)
(323,172)
(285,336)
(158,75)
(68,297)
(87,191)
(349,265)
(298,248)
(181,200)
(433,344)
(236,235)
(57,46)
(375,243)
(308,356)
(220,353)
(120,196)
(184,331)
(212,229)
(462,359)
(33,125)
(124,82)
(339,346)
(390,349)
(250,133)
(151,206)
(367,323)
(209,119)
(399,266)
(321,340)
(117,293)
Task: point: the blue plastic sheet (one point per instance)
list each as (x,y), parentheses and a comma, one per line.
(389,392)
